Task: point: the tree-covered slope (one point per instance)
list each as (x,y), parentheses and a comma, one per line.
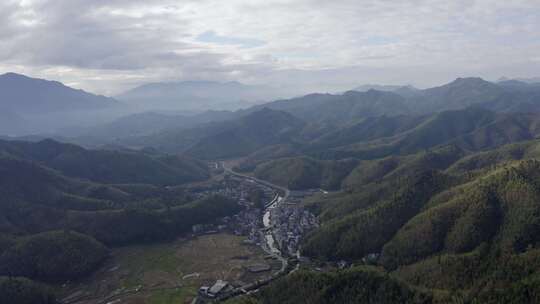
(497,209)
(105,166)
(24,291)
(471,129)
(444,220)
(53,256)
(304,173)
(357,285)
(38,199)
(348,107)
(249,134)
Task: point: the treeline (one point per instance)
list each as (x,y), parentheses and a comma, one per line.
(109,167)
(24,291)
(79,247)
(62,208)
(356,286)
(304,172)
(466,226)
(139,225)
(52,256)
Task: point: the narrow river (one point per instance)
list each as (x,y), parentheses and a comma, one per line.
(267,222)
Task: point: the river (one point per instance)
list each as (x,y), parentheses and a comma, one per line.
(267,222)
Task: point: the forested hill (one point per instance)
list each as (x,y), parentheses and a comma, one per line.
(448,224)
(349,106)
(249,134)
(441,220)
(458,94)
(470,130)
(63,207)
(225,139)
(106,166)
(364,124)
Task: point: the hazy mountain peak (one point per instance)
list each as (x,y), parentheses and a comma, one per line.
(466,82)
(23,95)
(13,75)
(378,87)
(268,114)
(402,90)
(199,95)
(469,80)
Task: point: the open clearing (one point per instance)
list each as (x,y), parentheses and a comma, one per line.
(168,272)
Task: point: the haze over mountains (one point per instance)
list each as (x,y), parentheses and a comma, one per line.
(198,95)
(269,152)
(440,185)
(94,120)
(37,105)
(27,95)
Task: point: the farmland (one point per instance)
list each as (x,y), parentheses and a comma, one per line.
(168,272)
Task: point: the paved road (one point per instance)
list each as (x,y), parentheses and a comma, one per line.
(260,181)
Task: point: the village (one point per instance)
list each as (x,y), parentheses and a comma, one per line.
(272,219)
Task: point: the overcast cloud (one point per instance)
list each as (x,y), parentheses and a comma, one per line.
(109,46)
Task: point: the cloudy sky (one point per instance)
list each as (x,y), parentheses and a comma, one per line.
(107,46)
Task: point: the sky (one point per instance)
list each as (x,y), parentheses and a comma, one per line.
(109,46)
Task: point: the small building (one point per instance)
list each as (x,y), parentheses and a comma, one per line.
(204,290)
(371,258)
(217,288)
(259,267)
(197,228)
(343,264)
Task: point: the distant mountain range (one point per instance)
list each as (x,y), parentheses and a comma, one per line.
(437,188)
(147,123)
(31,105)
(25,95)
(531,80)
(335,125)
(405,91)
(346,107)
(459,94)
(199,95)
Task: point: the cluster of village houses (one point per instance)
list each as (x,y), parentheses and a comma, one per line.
(289,222)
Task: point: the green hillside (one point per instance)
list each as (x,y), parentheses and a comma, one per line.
(52,226)
(53,256)
(471,129)
(442,220)
(248,134)
(339,109)
(304,173)
(357,285)
(250,162)
(105,166)
(24,291)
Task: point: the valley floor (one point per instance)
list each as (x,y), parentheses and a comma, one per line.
(168,272)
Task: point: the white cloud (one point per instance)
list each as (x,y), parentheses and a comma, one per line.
(107,46)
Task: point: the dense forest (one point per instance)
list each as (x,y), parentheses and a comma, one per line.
(357,285)
(449,225)
(63,207)
(24,291)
